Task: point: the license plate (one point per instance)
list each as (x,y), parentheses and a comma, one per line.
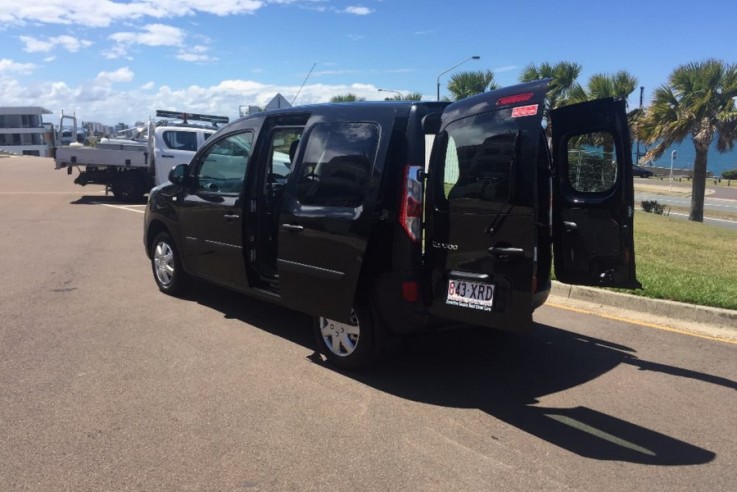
(474,295)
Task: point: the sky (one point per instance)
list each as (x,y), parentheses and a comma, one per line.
(114,61)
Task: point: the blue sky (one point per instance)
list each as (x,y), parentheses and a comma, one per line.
(120,60)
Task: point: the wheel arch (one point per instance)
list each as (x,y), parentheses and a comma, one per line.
(155,228)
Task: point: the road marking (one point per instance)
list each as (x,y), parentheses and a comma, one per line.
(640,323)
(705,218)
(121,207)
(40,192)
(571,422)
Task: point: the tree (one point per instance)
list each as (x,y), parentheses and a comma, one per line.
(698,100)
(465,84)
(563,74)
(600,85)
(410,96)
(346,98)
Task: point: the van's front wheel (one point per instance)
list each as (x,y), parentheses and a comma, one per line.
(347,345)
(167,267)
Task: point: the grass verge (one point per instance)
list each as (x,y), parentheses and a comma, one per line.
(686,261)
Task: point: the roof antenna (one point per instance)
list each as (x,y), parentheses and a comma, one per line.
(303,83)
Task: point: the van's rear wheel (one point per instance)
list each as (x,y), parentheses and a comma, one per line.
(348,345)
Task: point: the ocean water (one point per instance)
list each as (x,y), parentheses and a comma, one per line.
(716,162)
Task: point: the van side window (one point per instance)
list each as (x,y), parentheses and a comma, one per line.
(222,168)
(592,162)
(337,163)
(180,140)
(477,163)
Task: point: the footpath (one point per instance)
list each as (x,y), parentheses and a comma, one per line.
(678,316)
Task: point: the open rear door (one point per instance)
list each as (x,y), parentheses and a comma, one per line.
(481,237)
(593,196)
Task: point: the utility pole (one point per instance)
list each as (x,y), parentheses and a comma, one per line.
(637,160)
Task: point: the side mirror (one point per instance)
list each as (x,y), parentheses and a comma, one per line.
(178,174)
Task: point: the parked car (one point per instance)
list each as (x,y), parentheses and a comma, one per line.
(389,218)
(641,172)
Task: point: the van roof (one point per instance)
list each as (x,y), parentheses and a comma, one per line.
(365,107)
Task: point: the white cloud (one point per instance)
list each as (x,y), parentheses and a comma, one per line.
(197,54)
(101,100)
(69,43)
(10,66)
(102,13)
(123,74)
(150,35)
(358,10)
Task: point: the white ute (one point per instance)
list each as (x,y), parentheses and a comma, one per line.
(131,165)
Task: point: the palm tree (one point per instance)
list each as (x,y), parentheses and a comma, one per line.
(410,96)
(465,84)
(600,85)
(698,100)
(350,97)
(563,75)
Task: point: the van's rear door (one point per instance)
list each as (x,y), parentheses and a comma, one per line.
(482,210)
(593,195)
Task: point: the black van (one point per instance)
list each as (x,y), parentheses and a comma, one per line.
(393,217)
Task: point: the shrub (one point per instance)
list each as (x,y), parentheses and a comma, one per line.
(653,207)
(731,174)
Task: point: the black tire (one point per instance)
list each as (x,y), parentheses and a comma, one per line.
(167,267)
(127,187)
(348,345)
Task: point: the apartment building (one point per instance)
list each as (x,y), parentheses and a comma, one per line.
(23,132)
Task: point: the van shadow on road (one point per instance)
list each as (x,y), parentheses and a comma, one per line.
(502,375)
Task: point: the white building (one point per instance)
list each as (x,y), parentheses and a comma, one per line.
(22,130)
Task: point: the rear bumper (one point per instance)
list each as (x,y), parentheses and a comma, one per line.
(400,316)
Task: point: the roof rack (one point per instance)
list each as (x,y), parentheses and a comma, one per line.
(185,117)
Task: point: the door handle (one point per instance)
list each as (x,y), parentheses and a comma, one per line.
(167,155)
(231,216)
(292,227)
(499,251)
(569,226)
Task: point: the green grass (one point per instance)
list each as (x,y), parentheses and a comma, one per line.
(686,261)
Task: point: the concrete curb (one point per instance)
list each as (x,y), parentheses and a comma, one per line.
(670,309)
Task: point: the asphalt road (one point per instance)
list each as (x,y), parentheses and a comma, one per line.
(720,207)
(107,384)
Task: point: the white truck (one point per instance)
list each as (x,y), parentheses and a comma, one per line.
(131,165)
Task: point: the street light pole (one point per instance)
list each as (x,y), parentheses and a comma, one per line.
(475,57)
(395,92)
(637,160)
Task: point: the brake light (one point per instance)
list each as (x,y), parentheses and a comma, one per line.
(516,98)
(410,291)
(410,212)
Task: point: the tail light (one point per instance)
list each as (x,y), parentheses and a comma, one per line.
(410,212)
(410,291)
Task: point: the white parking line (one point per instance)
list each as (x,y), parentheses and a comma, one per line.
(40,192)
(121,207)
(705,218)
